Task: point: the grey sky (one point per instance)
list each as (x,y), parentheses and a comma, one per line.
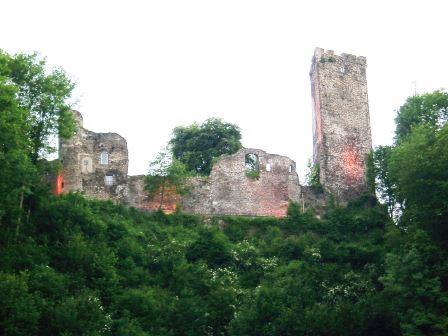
(144,67)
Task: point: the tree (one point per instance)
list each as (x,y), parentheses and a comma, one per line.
(429,108)
(165,172)
(33,110)
(198,145)
(413,179)
(419,168)
(313,176)
(17,174)
(44,94)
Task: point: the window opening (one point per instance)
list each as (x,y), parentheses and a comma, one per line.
(104,158)
(109,179)
(252,166)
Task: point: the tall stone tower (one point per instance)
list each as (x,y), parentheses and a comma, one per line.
(341,123)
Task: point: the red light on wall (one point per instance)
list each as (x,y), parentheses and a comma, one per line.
(59,183)
(352,165)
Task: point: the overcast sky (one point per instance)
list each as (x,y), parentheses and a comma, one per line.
(144,67)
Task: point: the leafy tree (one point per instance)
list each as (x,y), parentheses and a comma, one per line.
(413,176)
(416,270)
(17,174)
(44,95)
(313,177)
(430,109)
(166,173)
(19,311)
(419,167)
(198,145)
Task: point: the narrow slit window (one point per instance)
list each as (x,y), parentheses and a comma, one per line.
(268,167)
(104,158)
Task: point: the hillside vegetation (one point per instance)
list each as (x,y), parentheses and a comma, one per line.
(84,267)
(72,266)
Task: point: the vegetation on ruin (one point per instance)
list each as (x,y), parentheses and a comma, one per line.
(72,266)
(197,145)
(166,173)
(312,178)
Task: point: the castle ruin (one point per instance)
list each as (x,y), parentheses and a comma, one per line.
(96,164)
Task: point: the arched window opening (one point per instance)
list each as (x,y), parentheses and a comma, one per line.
(104,158)
(252,166)
(109,179)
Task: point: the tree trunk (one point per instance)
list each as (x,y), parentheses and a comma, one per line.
(19,219)
(162,192)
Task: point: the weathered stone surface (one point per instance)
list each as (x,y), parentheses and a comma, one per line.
(97,163)
(229,191)
(138,197)
(341,124)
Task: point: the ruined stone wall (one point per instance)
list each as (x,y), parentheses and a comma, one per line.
(94,163)
(228,191)
(97,163)
(341,124)
(139,198)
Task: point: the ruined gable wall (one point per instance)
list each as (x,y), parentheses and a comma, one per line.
(228,191)
(341,124)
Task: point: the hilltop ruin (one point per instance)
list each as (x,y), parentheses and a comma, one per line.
(96,164)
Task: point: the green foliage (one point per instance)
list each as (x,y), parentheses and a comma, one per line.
(252,166)
(253,174)
(414,282)
(72,266)
(43,94)
(166,172)
(33,109)
(429,109)
(17,174)
(419,167)
(198,145)
(413,178)
(92,267)
(313,177)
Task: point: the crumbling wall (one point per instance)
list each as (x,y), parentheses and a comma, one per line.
(97,163)
(341,124)
(94,163)
(139,198)
(229,191)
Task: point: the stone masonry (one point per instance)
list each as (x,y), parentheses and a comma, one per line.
(250,182)
(230,191)
(94,163)
(341,124)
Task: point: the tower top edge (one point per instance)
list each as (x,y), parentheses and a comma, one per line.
(320,53)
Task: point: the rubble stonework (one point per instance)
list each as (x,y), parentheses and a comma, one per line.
(94,163)
(341,124)
(97,163)
(228,189)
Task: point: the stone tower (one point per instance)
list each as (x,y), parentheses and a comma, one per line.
(341,124)
(95,164)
